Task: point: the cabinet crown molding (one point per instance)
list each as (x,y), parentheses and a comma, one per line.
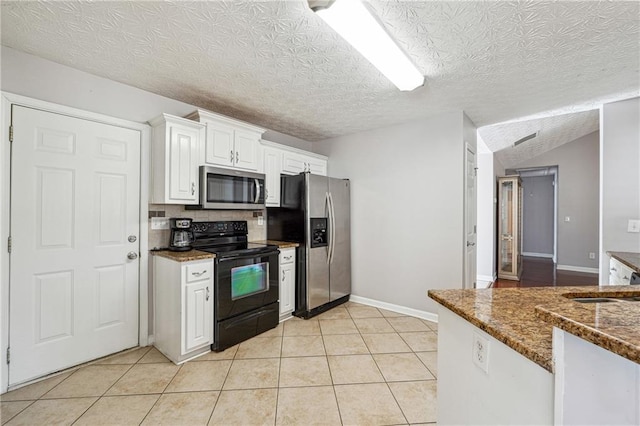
(265,142)
(200,115)
(163,118)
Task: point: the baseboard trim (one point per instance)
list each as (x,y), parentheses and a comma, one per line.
(483,281)
(429,316)
(544,255)
(578,269)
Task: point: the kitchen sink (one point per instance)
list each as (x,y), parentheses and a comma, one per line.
(592,299)
(605,299)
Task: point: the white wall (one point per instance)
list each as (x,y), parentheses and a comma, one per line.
(489,168)
(577,180)
(406,208)
(538,216)
(38,78)
(620,183)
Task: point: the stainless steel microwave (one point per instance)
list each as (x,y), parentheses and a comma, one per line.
(231,189)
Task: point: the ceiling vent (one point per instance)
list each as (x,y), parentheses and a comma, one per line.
(526,138)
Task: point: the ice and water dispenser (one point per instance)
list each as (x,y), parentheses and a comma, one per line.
(318,232)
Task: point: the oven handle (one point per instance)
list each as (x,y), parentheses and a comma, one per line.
(257,191)
(249,256)
(237,321)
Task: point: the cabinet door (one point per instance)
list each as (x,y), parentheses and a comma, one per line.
(272,169)
(183,164)
(219,148)
(317,166)
(197,315)
(287,288)
(293,163)
(246,146)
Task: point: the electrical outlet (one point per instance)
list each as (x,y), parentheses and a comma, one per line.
(480,352)
(260,220)
(633,226)
(567,218)
(592,255)
(159,223)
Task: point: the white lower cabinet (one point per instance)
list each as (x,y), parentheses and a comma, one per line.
(183,307)
(287,282)
(619,274)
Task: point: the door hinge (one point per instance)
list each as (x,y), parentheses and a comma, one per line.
(8,354)
(11,133)
(9,244)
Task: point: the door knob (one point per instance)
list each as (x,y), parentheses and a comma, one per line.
(132,255)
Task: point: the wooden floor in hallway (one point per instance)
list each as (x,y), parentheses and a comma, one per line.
(540,272)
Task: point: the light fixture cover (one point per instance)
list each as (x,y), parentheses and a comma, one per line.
(352,20)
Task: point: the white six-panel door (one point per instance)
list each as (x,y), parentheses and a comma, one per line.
(75,191)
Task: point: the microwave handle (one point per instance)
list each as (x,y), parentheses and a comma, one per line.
(257,191)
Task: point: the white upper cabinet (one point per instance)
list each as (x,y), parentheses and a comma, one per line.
(175,152)
(228,143)
(272,169)
(294,162)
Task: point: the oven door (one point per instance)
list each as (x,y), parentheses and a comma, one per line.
(245,283)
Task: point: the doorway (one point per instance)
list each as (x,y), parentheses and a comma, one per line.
(539,211)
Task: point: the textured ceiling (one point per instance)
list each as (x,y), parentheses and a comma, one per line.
(552,132)
(278,65)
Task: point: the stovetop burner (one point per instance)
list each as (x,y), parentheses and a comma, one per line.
(226,239)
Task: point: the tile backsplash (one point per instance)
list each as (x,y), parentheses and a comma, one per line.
(160,238)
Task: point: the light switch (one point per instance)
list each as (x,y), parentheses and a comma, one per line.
(633,226)
(159,223)
(260,220)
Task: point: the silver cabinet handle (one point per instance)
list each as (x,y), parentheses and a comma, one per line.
(287,257)
(283,273)
(132,255)
(470,244)
(266,193)
(237,157)
(613,269)
(207,294)
(193,188)
(625,278)
(231,158)
(197,274)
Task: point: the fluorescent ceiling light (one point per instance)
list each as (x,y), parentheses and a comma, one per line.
(352,20)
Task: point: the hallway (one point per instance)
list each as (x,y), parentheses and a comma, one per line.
(541,272)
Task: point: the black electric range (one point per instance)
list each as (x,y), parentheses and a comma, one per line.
(246,285)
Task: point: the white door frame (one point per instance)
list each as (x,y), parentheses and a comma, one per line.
(465,274)
(5,156)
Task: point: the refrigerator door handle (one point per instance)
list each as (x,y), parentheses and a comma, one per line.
(327,201)
(332,228)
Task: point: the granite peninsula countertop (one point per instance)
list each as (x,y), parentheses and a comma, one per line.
(632,260)
(184,256)
(523,318)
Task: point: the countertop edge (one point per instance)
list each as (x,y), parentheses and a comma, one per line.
(543,361)
(183,256)
(280,244)
(583,331)
(620,257)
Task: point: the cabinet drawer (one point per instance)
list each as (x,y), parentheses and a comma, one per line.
(198,272)
(287,256)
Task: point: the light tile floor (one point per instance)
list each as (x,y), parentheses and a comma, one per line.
(352,365)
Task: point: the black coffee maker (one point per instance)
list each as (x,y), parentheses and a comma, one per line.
(181,234)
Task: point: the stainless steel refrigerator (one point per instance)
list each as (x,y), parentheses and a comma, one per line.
(315,212)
